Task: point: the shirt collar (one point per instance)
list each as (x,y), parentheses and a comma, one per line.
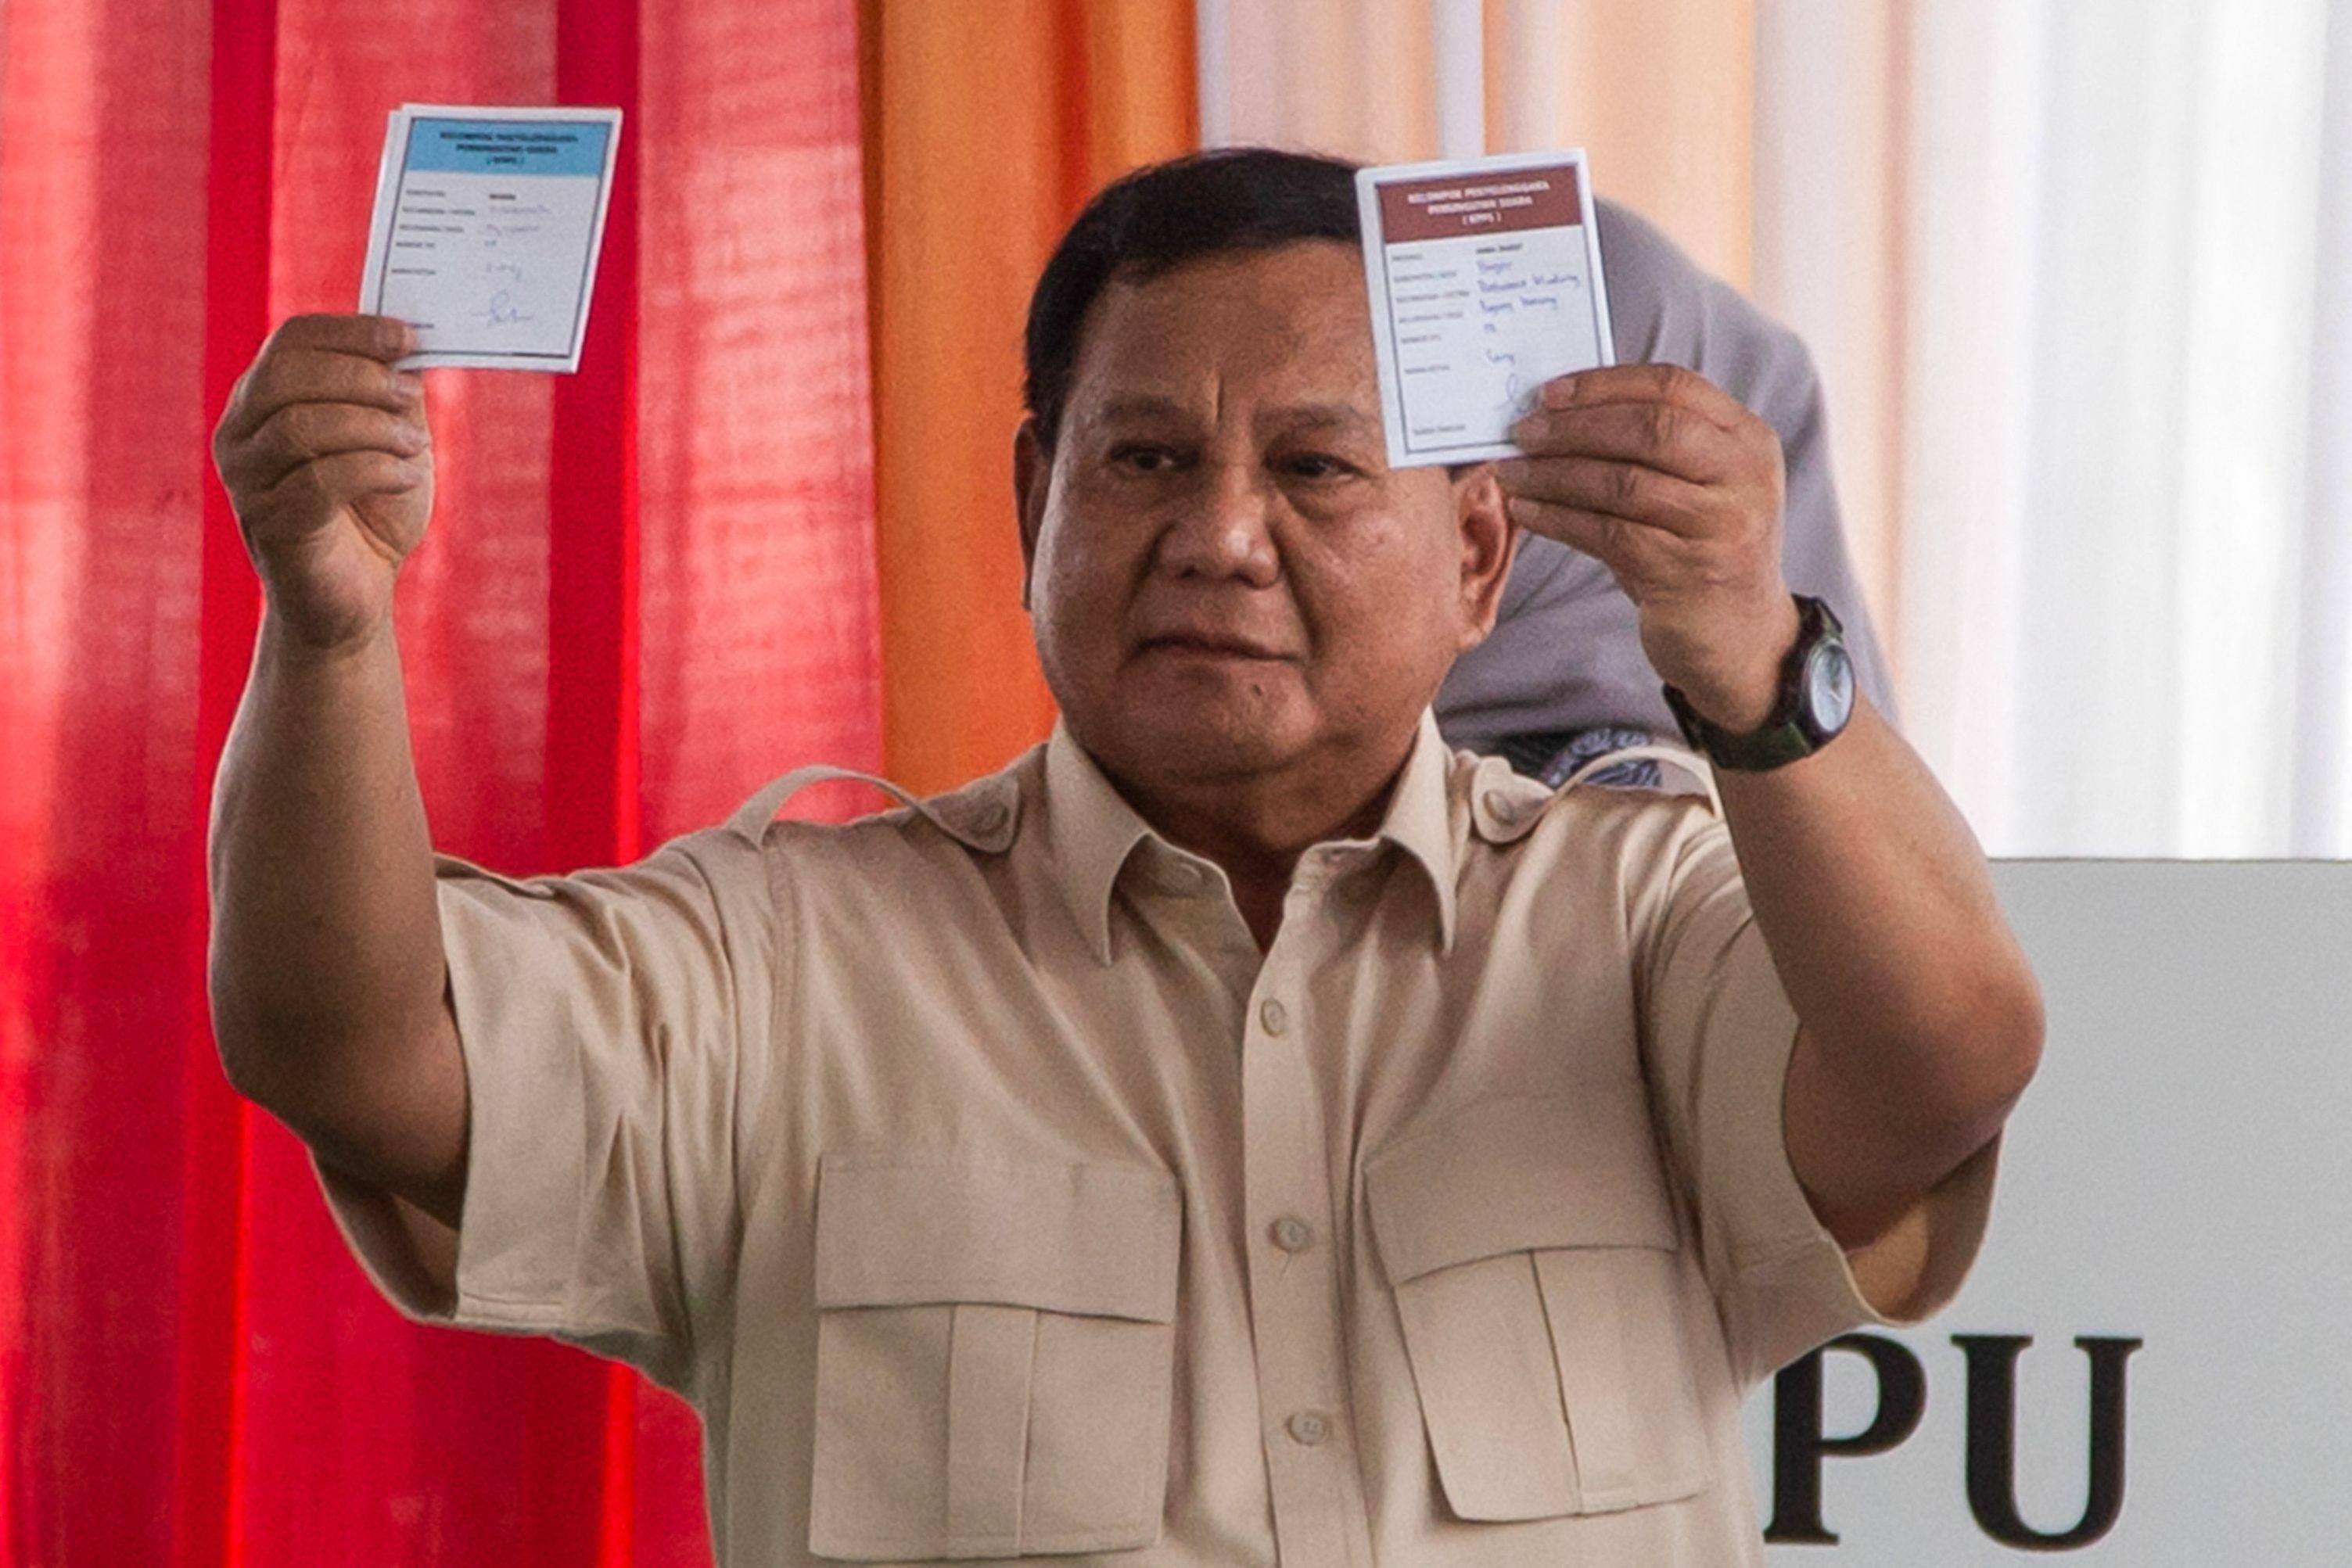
(1420,820)
(1093,830)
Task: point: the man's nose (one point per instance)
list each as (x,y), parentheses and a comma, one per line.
(1225,531)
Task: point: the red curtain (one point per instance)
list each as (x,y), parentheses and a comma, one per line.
(647,588)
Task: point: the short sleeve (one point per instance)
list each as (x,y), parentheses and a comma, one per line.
(1718,1034)
(602,1017)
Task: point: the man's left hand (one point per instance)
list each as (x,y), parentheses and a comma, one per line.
(1676,487)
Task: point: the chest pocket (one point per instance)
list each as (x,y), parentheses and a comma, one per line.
(995,1357)
(1533,1255)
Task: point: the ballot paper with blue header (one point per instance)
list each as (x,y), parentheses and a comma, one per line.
(488,224)
(1486,283)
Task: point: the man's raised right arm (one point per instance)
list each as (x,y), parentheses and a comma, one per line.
(328,982)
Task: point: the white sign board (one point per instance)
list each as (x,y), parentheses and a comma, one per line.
(2180,1176)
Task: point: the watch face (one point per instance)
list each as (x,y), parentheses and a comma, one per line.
(1829,687)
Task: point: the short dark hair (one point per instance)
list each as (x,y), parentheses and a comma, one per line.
(1162,215)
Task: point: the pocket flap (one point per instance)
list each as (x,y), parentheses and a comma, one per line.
(1520,1176)
(1095,1240)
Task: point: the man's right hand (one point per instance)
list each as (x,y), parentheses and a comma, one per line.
(329,462)
(328,988)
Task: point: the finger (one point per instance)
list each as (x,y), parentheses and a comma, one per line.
(324,484)
(1607,539)
(379,337)
(1631,491)
(310,375)
(1658,435)
(1644,383)
(300,431)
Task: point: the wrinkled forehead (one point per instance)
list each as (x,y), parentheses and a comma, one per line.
(1287,326)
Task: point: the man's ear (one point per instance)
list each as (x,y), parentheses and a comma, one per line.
(1490,542)
(1033,472)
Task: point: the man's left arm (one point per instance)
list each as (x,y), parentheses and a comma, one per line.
(1920,1022)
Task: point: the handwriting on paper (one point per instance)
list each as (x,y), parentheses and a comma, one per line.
(488,230)
(1484,280)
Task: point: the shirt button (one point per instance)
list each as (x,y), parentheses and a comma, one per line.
(1292,1234)
(1309,1427)
(1274,1016)
(1183,879)
(1501,807)
(992,817)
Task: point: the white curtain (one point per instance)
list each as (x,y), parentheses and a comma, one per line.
(2078,274)
(2127,423)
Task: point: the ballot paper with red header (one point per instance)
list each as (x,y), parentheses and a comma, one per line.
(1486,283)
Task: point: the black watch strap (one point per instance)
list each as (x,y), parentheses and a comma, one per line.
(1796,729)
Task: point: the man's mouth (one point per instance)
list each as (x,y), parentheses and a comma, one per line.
(1202,646)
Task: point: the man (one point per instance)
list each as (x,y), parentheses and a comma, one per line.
(1240,1130)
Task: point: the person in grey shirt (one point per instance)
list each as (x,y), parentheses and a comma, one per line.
(1563,679)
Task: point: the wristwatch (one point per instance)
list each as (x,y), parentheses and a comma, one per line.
(1815,702)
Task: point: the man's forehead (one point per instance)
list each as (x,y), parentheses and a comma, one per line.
(1288,326)
(1307,285)
(1129,406)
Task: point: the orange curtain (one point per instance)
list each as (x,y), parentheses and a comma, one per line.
(1662,96)
(986,128)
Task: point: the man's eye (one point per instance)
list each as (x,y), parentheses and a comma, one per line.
(1140,459)
(1317,465)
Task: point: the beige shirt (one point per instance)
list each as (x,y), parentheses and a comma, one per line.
(990,1196)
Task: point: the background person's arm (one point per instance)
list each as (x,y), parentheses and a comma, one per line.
(327,975)
(1920,1020)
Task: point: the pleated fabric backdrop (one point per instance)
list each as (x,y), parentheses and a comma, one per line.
(647,587)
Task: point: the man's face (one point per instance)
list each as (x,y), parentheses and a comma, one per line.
(1225,577)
